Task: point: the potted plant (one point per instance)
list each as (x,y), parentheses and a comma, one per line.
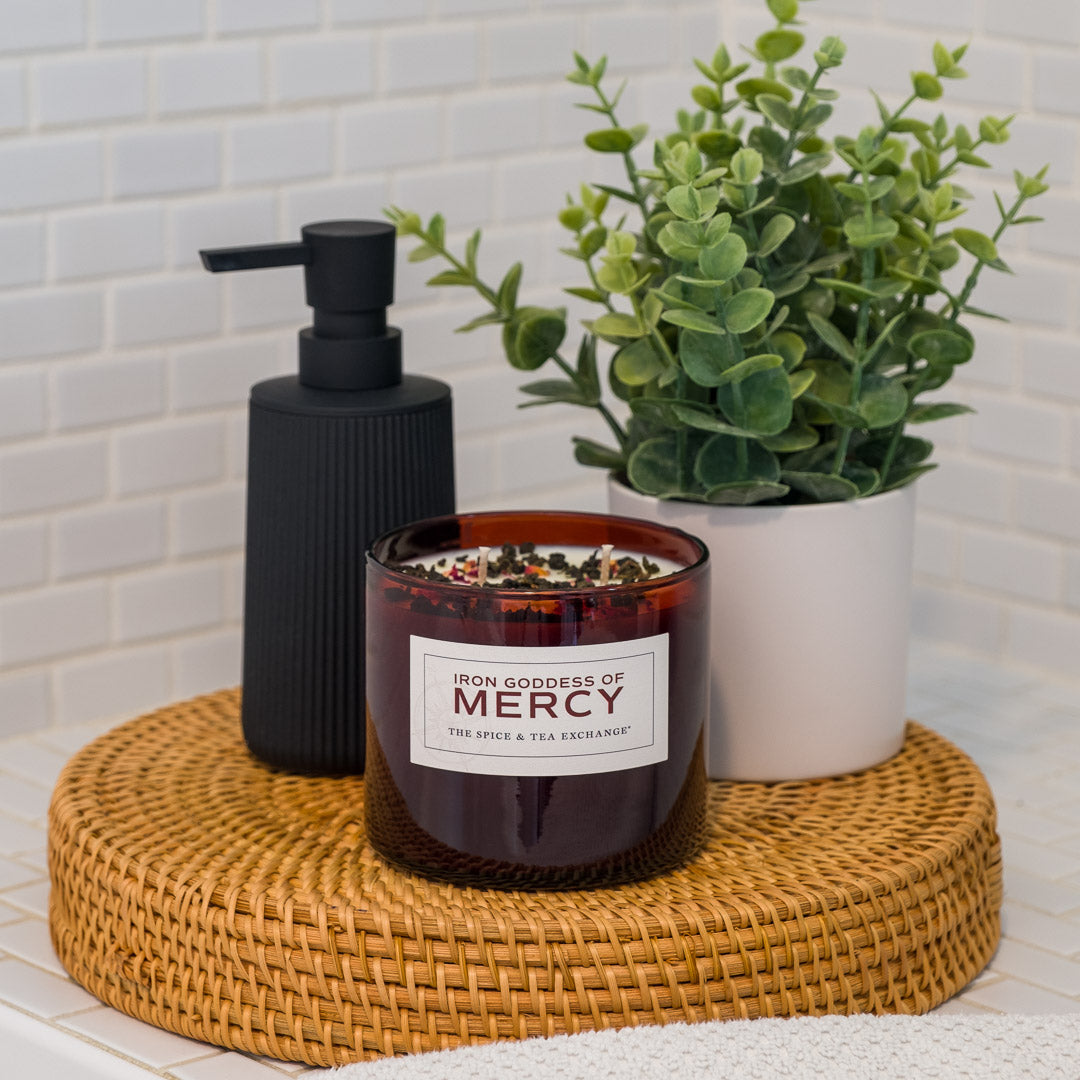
(777,309)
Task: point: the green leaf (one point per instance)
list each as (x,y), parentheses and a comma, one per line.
(706,97)
(882,401)
(711,73)
(821,487)
(831,336)
(799,436)
(553,390)
(725,259)
(637,363)
(878,187)
(747,309)
(908,124)
(926,86)
(492,318)
(424,251)
(867,480)
(592,242)
(617,324)
(796,77)
(790,346)
(777,45)
(588,376)
(745,493)
(993,130)
(610,140)
(725,459)
(783,11)
(903,477)
(618,193)
(943,60)
(909,450)
(976,243)
(761,403)
(1031,186)
(705,357)
(539,335)
(863,234)
(573,218)
(717,229)
(848,288)
(508,289)
(437,230)
(702,418)
(617,275)
(471,247)
(938,410)
(588,452)
(741,371)
(777,109)
(939,347)
(831,53)
(833,411)
(685,202)
(800,382)
(693,320)
(652,308)
(790,285)
(814,117)
(585,294)
(680,240)
(653,467)
(745,165)
(776,231)
(450,277)
(691,203)
(804,168)
(620,242)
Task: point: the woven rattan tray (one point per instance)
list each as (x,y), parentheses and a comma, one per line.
(201,891)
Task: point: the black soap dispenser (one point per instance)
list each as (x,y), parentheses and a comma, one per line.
(337,455)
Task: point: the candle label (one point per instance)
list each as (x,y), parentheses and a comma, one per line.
(519,711)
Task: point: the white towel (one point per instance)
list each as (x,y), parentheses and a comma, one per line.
(935,1047)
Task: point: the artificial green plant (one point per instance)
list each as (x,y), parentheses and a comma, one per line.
(778,305)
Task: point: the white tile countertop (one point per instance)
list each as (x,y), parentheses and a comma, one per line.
(1022,729)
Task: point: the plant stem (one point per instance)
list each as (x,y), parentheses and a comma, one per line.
(793,135)
(596,284)
(862,328)
(898,433)
(628,161)
(886,127)
(601,408)
(976,270)
(492,297)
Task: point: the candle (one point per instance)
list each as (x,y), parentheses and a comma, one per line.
(528,566)
(546,733)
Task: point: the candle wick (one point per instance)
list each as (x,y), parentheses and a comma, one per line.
(605,563)
(482,565)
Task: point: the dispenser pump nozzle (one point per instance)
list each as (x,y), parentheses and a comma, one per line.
(349,281)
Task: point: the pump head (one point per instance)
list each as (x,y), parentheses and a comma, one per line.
(349,281)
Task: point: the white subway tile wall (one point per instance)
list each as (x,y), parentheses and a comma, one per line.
(133,134)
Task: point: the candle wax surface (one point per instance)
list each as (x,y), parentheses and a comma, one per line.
(462,566)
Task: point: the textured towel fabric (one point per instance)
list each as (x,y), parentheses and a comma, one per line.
(937,1047)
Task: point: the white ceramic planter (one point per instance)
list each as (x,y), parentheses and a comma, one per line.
(810,613)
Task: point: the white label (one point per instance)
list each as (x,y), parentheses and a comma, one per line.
(520,711)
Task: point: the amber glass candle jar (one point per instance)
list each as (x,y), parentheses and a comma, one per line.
(548,738)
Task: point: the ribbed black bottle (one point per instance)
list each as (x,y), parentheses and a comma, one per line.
(337,455)
(318,463)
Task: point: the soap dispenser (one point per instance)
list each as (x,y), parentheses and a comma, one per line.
(337,454)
